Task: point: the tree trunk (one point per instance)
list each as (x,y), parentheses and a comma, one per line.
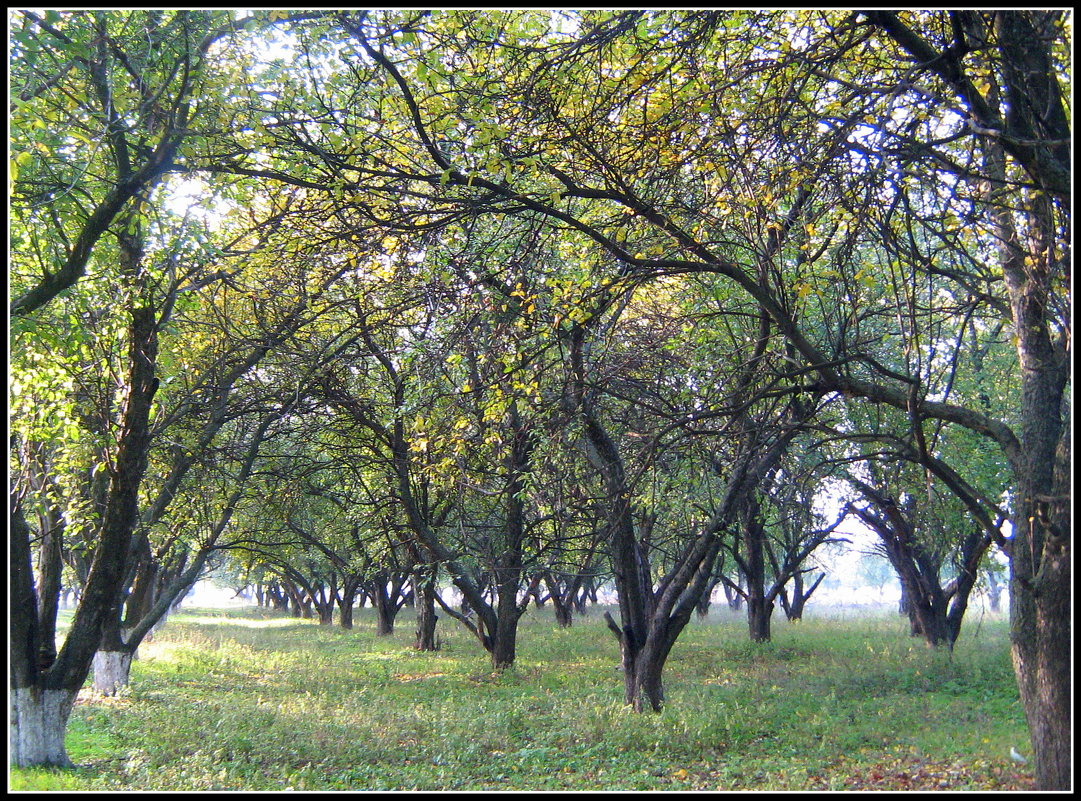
(326,613)
(994,593)
(1041,636)
(759,608)
(648,686)
(38,723)
(1033,259)
(424,600)
(562,595)
(112,670)
(385,608)
(564,617)
(801,596)
(759,612)
(345,603)
(504,643)
(733,598)
(704,603)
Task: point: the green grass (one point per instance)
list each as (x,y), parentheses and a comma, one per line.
(228,700)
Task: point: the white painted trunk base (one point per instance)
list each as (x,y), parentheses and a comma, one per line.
(39,720)
(111,671)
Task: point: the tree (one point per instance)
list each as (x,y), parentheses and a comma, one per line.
(825,181)
(779,533)
(934,607)
(1018,125)
(129,82)
(859,193)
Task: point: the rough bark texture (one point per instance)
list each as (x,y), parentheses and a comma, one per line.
(38,723)
(424,601)
(759,607)
(112,670)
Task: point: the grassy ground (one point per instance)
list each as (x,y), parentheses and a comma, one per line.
(232,700)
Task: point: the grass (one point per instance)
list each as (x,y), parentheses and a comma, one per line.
(247,700)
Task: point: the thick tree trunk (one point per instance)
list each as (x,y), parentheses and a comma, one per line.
(1041,635)
(504,637)
(759,613)
(1033,260)
(423,581)
(38,723)
(504,643)
(647,683)
(385,608)
(345,604)
(563,613)
(112,670)
(42,692)
(759,608)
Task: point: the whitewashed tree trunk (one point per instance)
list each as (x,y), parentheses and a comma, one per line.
(111,671)
(38,721)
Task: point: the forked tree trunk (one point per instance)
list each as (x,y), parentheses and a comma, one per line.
(385,608)
(564,616)
(345,612)
(794,608)
(326,613)
(562,595)
(42,692)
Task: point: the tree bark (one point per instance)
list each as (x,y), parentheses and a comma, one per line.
(759,607)
(38,724)
(424,602)
(112,670)
(385,607)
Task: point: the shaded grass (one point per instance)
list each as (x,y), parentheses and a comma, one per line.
(232,700)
